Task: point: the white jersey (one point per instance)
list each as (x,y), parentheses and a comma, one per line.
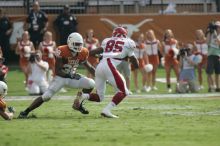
(152,47)
(202,47)
(38,74)
(117,49)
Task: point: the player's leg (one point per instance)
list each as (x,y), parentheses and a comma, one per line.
(118,82)
(54,87)
(84,83)
(100,83)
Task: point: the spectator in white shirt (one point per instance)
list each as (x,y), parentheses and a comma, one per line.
(37,69)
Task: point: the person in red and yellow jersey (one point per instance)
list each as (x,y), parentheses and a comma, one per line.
(68,58)
(91,43)
(170,51)
(7,115)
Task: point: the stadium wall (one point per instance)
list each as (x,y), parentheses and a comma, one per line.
(183,26)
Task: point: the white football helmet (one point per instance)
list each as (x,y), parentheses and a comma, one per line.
(3,89)
(75,42)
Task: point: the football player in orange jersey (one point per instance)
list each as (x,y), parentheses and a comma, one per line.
(3,91)
(68,58)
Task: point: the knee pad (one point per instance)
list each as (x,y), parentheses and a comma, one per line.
(91,83)
(47,95)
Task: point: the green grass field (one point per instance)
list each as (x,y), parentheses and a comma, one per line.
(143,121)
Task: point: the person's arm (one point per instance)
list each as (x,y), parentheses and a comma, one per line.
(162,49)
(54,47)
(44,66)
(134,61)
(10,29)
(89,67)
(59,67)
(46,22)
(17,49)
(46,26)
(188,59)
(96,51)
(208,36)
(6,115)
(218,40)
(27,22)
(32,48)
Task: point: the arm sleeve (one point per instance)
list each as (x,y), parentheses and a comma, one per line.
(131,47)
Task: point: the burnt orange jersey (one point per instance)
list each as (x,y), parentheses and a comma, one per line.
(2,104)
(70,62)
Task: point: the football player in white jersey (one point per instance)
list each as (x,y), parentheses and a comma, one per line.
(114,50)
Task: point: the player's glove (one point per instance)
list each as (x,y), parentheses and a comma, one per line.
(11,109)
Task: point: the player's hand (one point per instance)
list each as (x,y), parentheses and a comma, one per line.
(74,76)
(11,109)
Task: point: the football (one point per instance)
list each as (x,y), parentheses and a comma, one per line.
(148,67)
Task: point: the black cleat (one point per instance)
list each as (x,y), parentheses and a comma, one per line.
(78,104)
(22,115)
(82,109)
(79,107)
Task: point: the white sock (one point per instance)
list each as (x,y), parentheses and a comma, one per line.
(110,106)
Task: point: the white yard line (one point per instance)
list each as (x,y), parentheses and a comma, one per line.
(199,95)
